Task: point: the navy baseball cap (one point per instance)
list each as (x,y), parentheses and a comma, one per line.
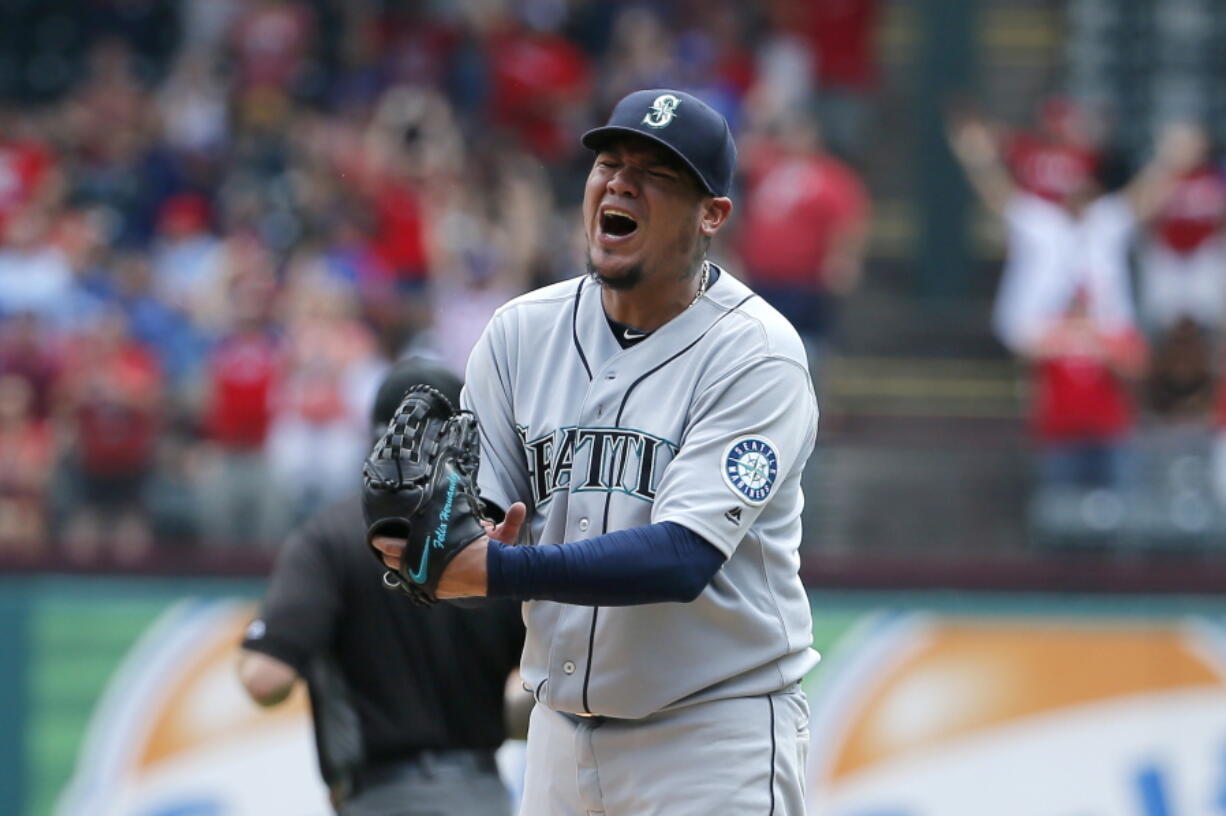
(690,128)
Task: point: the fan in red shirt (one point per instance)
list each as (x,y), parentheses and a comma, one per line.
(244,370)
(1183,261)
(1082,410)
(1060,158)
(412,145)
(27,350)
(1194,213)
(26,455)
(399,240)
(841,34)
(318,433)
(803,234)
(27,168)
(111,395)
(537,80)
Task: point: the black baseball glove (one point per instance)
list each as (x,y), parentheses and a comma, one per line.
(420,484)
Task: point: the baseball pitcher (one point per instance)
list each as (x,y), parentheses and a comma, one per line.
(641,432)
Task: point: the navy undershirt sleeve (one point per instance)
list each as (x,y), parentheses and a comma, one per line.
(650,564)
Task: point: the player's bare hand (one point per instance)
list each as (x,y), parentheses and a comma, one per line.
(392,549)
(508,531)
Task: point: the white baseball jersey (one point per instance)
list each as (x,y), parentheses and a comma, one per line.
(707,423)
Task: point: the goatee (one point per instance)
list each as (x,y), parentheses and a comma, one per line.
(629,280)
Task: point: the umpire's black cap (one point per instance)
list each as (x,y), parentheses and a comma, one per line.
(693,130)
(404,375)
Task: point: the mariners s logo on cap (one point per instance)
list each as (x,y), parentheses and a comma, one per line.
(662,111)
(751,466)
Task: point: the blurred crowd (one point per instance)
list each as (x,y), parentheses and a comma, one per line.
(1113,296)
(221,219)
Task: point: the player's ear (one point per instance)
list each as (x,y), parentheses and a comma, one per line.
(715,213)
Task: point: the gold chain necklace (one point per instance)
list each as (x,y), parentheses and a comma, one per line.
(702,283)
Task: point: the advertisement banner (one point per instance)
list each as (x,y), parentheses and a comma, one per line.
(922,714)
(991,706)
(174,734)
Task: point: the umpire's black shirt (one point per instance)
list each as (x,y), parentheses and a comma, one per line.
(387,679)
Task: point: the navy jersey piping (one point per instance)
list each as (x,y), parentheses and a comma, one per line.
(771,700)
(604,526)
(574,329)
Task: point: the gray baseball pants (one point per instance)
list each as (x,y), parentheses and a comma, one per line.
(743,756)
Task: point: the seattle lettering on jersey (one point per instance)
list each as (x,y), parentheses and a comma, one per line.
(598,459)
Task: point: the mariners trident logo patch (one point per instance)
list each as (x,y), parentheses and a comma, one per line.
(662,111)
(751,467)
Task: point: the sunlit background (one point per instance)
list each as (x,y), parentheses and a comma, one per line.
(220,221)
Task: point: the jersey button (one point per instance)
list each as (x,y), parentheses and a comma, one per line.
(583,525)
(568,667)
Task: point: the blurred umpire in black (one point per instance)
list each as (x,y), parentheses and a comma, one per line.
(407,713)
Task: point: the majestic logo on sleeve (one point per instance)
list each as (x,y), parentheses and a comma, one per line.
(620,460)
(751,467)
(663,109)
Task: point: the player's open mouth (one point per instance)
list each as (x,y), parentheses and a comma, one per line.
(616,223)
